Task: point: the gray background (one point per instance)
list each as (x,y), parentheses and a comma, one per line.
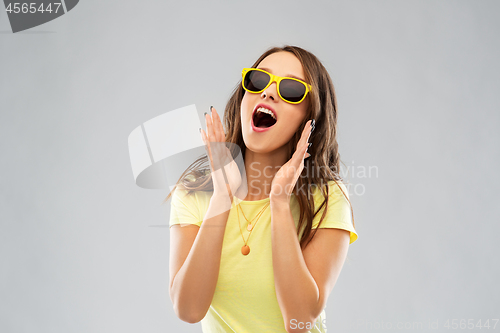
(83,249)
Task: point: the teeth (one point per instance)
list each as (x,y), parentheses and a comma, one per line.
(263,109)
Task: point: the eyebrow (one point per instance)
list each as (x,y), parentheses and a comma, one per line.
(289,75)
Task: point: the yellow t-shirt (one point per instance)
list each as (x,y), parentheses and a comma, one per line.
(245,298)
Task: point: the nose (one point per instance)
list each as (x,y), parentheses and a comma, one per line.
(270,92)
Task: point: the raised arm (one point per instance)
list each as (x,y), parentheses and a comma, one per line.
(195,254)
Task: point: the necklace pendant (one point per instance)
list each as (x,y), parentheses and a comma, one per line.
(249,227)
(245,250)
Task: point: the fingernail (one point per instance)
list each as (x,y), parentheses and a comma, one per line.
(309,145)
(200,129)
(211,108)
(204,114)
(313,122)
(312,129)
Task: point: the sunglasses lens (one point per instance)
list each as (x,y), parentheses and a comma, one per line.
(256,80)
(292,90)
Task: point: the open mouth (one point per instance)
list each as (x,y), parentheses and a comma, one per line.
(263,118)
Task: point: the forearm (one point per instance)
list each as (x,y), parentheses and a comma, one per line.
(194,285)
(296,289)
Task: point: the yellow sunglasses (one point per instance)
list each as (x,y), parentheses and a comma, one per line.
(290,89)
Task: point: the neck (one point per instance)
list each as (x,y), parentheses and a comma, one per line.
(260,170)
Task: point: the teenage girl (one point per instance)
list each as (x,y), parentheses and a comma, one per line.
(260,249)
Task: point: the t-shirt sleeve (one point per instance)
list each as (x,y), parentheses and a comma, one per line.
(338,214)
(184,208)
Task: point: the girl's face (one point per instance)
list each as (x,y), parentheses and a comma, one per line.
(289,116)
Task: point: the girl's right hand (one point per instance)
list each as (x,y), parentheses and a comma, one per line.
(221,160)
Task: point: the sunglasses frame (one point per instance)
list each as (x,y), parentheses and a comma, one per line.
(277,79)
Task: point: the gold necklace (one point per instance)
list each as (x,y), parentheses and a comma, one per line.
(245,249)
(249,225)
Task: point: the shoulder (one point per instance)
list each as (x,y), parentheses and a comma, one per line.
(338,213)
(188,206)
(181,193)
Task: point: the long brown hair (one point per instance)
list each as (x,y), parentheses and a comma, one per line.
(322,166)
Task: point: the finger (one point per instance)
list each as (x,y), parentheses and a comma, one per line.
(210,137)
(215,124)
(307,129)
(221,137)
(203,136)
(214,140)
(207,147)
(205,140)
(306,153)
(301,152)
(216,143)
(298,156)
(210,128)
(306,132)
(310,129)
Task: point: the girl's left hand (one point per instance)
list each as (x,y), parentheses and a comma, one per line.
(285,179)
